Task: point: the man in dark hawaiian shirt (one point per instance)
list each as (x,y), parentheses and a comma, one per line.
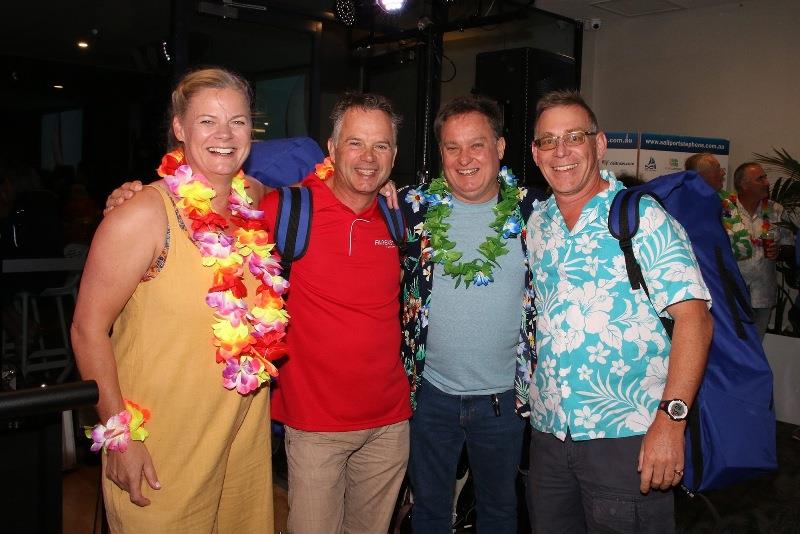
(464,335)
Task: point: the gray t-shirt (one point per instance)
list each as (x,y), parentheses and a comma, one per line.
(473,333)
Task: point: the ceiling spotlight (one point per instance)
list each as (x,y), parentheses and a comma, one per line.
(165,51)
(58,87)
(345,11)
(391,5)
(83,44)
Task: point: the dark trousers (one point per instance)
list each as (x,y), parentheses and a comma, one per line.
(440,427)
(592,486)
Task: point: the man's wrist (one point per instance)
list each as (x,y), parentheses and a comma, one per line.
(675,409)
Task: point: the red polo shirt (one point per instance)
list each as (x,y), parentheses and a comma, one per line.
(344,370)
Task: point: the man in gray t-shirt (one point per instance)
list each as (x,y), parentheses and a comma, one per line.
(466,320)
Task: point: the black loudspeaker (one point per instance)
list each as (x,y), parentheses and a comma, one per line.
(517,78)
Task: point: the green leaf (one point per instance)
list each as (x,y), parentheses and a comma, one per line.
(493,246)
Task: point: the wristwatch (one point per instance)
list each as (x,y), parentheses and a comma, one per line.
(676,409)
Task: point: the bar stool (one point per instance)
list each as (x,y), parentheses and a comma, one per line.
(45,358)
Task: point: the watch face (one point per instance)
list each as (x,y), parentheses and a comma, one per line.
(677,409)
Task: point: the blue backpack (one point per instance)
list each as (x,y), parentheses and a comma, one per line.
(730,434)
(279,162)
(293,224)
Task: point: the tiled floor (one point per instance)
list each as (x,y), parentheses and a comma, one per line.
(81,488)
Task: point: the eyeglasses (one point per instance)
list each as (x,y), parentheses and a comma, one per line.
(570,139)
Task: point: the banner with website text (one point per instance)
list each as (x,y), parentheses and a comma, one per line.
(664,154)
(622,154)
(648,155)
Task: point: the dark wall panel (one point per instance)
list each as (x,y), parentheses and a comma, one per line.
(517,78)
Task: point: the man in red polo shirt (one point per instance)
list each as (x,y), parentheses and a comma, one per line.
(343,394)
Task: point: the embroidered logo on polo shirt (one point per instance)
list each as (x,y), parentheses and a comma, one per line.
(384,243)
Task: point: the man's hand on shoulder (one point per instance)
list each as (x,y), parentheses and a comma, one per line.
(121,194)
(389,190)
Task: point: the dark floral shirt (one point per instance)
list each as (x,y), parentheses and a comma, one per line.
(417,283)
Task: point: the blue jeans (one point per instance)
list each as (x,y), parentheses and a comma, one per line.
(440,426)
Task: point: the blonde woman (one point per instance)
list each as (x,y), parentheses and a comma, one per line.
(183,276)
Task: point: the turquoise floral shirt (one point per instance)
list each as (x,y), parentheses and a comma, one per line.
(602,350)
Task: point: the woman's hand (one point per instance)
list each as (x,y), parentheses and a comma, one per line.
(119,195)
(126,469)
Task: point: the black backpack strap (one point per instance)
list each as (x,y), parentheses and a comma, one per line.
(734,297)
(394,221)
(292,224)
(696,438)
(623,223)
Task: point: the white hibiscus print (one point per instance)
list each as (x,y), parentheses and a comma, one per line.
(598,353)
(618,367)
(566,340)
(585,418)
(655,377)
(551,395)
(653,218)
(585,244)
(584,373)
(592,262)
(643,329)
(639,421)
(590,311)
(548,366)
(617,270)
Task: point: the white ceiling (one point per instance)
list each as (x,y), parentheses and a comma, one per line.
(619,9)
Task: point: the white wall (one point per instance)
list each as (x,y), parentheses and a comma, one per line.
(728,71)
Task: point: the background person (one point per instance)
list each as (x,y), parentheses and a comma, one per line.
(708,167)
(205,466)
(760,216)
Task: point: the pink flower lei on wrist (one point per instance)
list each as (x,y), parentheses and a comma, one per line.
(120,429)
(247,340)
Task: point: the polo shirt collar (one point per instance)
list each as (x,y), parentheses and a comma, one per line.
(324,197)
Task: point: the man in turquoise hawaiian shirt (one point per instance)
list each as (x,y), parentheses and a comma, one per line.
(603,435)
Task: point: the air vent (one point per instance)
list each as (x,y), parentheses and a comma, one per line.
(637,8)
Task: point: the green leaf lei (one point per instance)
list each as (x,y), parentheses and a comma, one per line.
(507,224)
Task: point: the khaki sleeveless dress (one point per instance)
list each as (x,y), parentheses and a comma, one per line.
(210,446)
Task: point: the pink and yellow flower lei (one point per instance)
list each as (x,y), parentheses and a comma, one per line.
(247,340)
(120,429)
